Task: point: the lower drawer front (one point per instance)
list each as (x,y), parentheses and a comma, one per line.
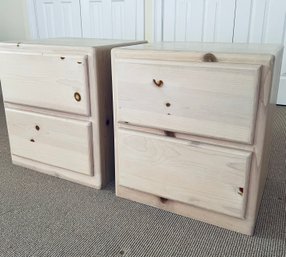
(199,174)
(59,142)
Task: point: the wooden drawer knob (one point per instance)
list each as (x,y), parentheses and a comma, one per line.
(77,96)
(158,83)
(209,57)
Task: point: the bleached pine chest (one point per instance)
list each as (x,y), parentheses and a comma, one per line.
(58,105)
(193,127)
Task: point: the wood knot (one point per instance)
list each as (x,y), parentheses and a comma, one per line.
(169,133)
(240,190)
(158,83)
(209,57)
(163,200)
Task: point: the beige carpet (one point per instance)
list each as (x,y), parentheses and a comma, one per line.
(45,216)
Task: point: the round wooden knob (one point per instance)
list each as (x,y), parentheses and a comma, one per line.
(77,96)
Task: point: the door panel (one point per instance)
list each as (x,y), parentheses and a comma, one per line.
(118,19)
(58,18)
(263,21)
(193,20)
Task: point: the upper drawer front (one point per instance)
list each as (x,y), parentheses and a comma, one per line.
(202,175)
(208,99)
(55,141)
(47,81)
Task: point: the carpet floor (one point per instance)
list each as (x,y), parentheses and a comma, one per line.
(42,216)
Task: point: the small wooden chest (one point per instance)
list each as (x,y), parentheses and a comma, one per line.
(193,127)
(58,103)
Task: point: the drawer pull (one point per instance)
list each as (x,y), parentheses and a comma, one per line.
(37,127)
(209,57)
(158,83)
(32,140)
(77,96)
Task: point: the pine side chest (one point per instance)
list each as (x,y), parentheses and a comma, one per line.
(58,105)
(193,127)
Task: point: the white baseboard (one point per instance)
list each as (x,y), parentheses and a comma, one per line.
(281,99)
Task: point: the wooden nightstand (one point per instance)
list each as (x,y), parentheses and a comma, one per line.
(58,104)
(193,127)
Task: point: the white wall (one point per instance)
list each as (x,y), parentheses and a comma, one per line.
(13,20)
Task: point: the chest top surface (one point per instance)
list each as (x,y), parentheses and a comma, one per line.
(81,44)
(238,48)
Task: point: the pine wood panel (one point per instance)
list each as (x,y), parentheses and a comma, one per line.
(269,57)
(93,130)
(199,174)
(46,80)
(213,100)
(59,142)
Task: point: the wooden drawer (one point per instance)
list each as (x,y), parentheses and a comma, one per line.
(59,142)
(206,176)
(48,81)
(209,99)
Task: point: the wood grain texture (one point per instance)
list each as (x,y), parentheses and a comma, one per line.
(207,99)
(46,80)
(244,226)
(96,64)
(48,169)
(206,176)
(269,57)
(59,142)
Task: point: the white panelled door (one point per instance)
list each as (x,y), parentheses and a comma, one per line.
(58,18)
(263,21)
(247,21)
(122,19)
(195,20)
(110,19)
